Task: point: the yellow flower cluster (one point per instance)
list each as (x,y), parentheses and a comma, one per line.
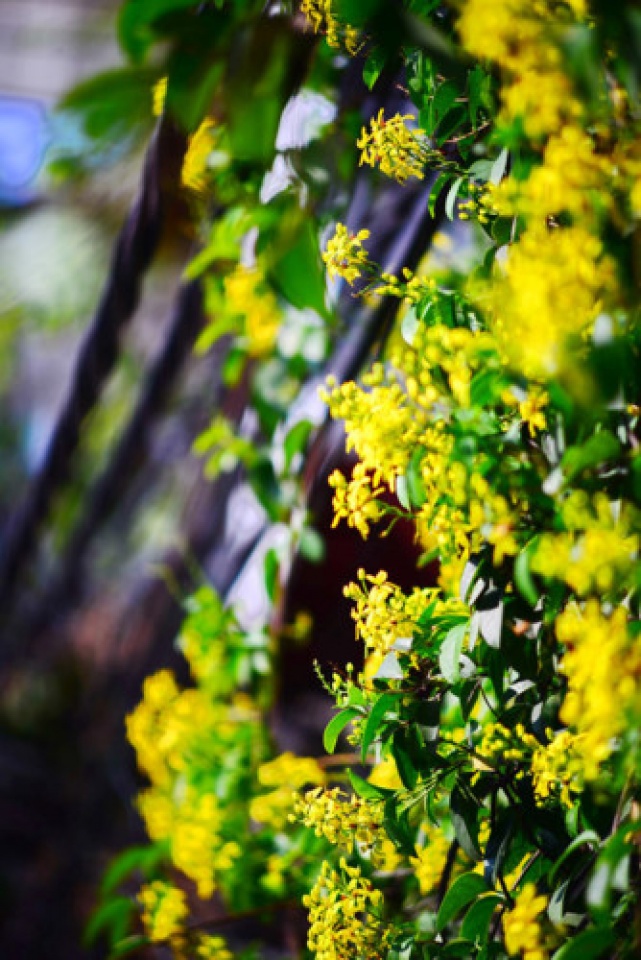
(521,928)
(407,407)
(164,910)
(249,299)
(322,16)
(603,666)
(518,36)
(552,289)
(430,858)
(195,172)
(357,500)
(392,146)
(212,947)
(384,614)
(556,767)
(344,916)
(345,255)
(347,821)
(170,729)
(283,776)
(381,424)
(597,558)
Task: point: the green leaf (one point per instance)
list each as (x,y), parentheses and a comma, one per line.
(450,653)
(499,167)
(415,486)
(367,790)
(587,837)
(336,726)
(465,888)
(296,440)
(588,945)
(374,66)
(435,191)
(386,703)
(111,104)
(476,922)
(110,919)
(271,566)
(409,325)
(451,197)
(299,273)
(136,20)
(311,545)
(463,810)
(522,575)
(135,858)
(390,668)
(128,945)
(440,105)
(598,449)
(477,86)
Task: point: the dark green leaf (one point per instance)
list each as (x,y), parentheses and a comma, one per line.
(387,702)
(436,189)
(588,945)
(464,810)
(465,888)
(111,919)
(476,922)
(127,946)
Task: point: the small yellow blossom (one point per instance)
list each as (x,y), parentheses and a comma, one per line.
(194,174)
(159,95)
(212,947)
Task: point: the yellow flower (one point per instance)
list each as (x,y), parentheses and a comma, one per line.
(159,94)
(345,255)
(285,775)
(248,297)
(603,666)
(531,409)
(164,910)
(521,929)
(392,146)
(431,858)
(323,18)
(195,174)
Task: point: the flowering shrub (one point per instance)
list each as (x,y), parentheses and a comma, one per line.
(495,723)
